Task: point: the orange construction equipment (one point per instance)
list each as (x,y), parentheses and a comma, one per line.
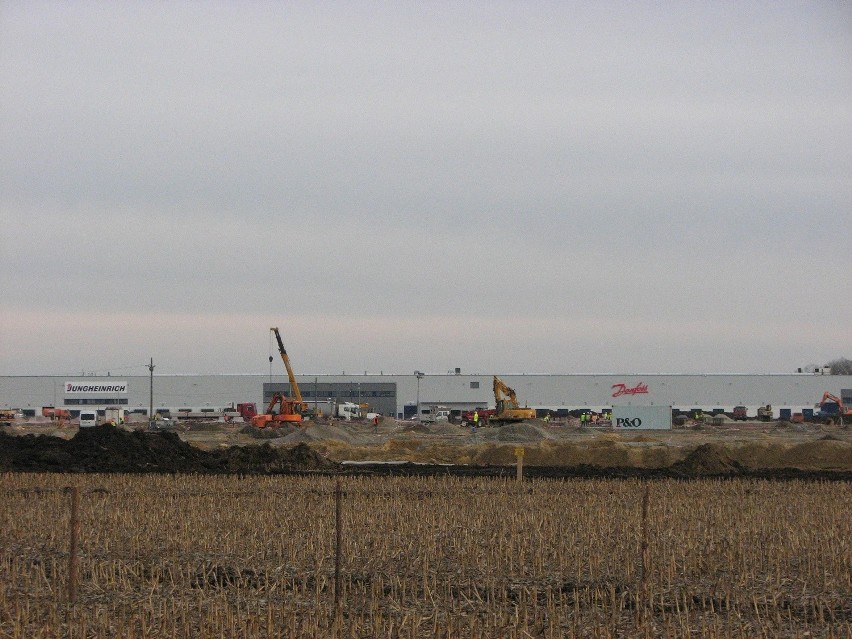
(831,407)
(288,412)
(508,409)
(291,409)
(60,414)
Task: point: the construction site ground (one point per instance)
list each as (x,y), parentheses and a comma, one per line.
(548,449)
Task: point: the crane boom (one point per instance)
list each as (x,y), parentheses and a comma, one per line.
(294,386)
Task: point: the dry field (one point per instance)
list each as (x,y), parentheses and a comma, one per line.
(223,556)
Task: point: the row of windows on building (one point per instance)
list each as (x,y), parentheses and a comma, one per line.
(331,392)
(104,401)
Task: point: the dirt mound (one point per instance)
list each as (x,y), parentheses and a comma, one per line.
(268,460)
(760,454)
(265,433)
(319,432)
(444,428)
(106,449)
(824,454)
(521,433)
(707,459)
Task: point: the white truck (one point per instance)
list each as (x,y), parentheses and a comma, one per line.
(347,410)
(435,414)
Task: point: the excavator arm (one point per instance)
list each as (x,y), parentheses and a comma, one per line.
(506,405)
(828,397)
(503,393)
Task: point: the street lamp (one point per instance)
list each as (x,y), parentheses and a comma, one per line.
(419,376)
(151,419)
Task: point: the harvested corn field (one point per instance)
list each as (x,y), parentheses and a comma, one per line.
(223,556)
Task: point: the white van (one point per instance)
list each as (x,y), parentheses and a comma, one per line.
(88,418)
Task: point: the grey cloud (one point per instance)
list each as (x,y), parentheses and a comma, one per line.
(410,160)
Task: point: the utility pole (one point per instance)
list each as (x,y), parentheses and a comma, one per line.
(419,376)
(151,395)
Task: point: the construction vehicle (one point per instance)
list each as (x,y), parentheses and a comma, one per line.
(764,413)
(740,413)
(290,409)
(60,414)
(507,407)
(347,410)
(435,414)
(483,414)
(288,412)
(245,410)
(831,409)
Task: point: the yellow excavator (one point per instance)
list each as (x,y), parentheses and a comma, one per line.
(508,408)
(290,409)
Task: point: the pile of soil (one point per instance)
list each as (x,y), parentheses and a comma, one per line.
(707,459)
(521,433)
(828,453)
(263,433)
(318,432)
(106,449)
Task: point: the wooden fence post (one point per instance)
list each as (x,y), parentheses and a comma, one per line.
(72,544)
(338,531)
(645,566)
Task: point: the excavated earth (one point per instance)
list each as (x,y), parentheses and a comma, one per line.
(106,449)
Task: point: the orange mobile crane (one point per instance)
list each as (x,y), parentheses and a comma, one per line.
(291,408)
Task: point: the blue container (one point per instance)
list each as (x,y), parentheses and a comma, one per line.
(786,414)
(808,414)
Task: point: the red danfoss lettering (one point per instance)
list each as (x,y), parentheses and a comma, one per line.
(621,389)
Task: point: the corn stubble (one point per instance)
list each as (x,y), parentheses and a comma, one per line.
(216,557)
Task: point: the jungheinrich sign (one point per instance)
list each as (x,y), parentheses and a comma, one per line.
(76,388)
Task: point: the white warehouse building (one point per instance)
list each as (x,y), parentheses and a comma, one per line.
(399,395)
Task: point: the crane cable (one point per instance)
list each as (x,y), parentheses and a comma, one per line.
(270,356)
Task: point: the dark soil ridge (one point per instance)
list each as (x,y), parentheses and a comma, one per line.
(585,471)
(106,449)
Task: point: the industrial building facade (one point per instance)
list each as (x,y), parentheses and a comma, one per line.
(399,395)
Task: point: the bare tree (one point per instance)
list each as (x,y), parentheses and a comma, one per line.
(841,366)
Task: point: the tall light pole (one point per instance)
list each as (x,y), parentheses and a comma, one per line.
(419,376)
(151,395)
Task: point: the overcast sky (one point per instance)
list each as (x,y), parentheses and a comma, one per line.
(504,187)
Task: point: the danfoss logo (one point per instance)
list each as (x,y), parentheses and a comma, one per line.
(621,389)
